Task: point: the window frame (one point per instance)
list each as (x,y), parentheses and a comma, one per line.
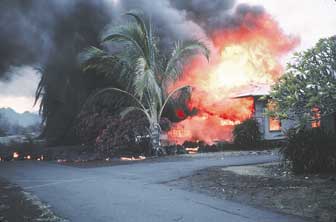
(270,106)
(269,124)
(316,118)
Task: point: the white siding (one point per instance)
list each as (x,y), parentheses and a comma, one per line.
(260,108)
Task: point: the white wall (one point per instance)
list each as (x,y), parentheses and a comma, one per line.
(260,108)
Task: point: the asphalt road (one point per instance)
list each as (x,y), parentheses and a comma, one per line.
(134,192)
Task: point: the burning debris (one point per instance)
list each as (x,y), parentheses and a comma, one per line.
(133,158)
(192,150)
(249,54)
(16,155)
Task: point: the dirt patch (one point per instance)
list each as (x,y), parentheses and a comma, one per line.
(19,206)
(269,186)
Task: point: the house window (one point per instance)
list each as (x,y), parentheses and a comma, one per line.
(274,124)
(316,118)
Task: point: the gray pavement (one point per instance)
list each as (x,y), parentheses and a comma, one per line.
(135,192)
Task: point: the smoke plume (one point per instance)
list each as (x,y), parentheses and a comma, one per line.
(36,32)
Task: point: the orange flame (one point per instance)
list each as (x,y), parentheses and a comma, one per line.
(242,56)
(15,155)
(133,158)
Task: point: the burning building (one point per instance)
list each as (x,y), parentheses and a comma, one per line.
(269,127)
(246,60)
(256,96)
(236,84)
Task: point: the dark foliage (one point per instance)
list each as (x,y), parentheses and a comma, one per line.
(63,87)
(109,135)
(247,133)
(165,124)
(219,147)
(311,150)
(175,150)
(124,136)
(193,144)
(309,82)
(90,125)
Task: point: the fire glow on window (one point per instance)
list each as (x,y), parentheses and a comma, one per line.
(273,122)
(316,122)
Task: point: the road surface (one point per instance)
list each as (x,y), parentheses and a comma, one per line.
(135,192)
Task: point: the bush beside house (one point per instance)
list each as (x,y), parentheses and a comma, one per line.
(247,134)
(311,150)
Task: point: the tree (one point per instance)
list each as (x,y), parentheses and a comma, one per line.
(309,83)
(63,88)
(143,70)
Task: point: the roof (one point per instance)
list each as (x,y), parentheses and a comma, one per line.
(253,90)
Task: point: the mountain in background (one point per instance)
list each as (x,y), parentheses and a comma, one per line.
(21,119)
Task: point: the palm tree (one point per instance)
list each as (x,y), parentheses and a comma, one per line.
(140,65)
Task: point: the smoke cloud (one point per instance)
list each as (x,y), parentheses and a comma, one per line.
(21,82)
(51,33)
(32,31)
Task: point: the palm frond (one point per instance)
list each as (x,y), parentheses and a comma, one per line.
(170,96)
(140,21)
(40,95)
(130,109)
(146,29)
(140,64)
(116,67)
(112,90)
(91,53)
(145,82)
(183,50)
(40,86)
(98,60)
(130,34)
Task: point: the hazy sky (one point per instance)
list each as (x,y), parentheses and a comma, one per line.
(308,19)
(18,93)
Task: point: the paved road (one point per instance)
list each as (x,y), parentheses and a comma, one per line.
(134,192)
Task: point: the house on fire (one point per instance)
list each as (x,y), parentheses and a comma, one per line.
(271,128)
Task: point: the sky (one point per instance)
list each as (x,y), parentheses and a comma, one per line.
(18,93)
(310,20)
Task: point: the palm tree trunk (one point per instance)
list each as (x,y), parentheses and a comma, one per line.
(155,133)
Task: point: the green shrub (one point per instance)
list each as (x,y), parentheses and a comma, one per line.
(310,150)
(247,134)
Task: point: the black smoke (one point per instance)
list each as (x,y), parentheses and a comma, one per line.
(35,32)
(216,14)
(51,33)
